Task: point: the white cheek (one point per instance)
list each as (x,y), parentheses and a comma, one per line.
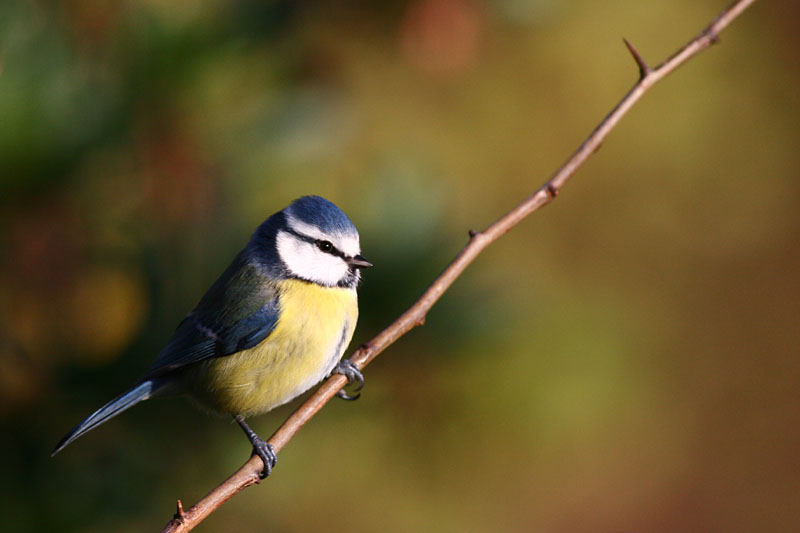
(306,261)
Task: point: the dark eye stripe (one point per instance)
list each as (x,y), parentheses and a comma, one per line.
(318,243)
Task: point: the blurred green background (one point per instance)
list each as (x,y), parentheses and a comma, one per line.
(625,360)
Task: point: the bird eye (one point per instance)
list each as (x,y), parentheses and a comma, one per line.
(325,246)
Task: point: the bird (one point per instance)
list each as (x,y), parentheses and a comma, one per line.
(274,324)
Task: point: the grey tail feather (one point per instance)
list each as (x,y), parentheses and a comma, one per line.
(128,399)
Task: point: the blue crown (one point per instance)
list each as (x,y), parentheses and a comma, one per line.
(320,212)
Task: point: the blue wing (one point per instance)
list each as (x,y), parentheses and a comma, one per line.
(238,312)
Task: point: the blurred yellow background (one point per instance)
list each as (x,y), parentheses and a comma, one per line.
(625,360)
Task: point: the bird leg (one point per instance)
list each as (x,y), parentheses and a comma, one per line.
(353,374)
(260,447)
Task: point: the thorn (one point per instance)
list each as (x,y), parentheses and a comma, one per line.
(644,69)
(472,233)
(179,513)
(421,321)
(713,35)
(552,192)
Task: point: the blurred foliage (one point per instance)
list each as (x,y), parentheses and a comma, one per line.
(627,360)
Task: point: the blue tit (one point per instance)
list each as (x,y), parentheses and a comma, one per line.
(273,325)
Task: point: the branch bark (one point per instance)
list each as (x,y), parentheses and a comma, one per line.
(415,316)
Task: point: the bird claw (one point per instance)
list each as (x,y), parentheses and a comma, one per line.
(353,374)
(267,453)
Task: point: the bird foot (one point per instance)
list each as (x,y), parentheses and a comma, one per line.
(261,448)
(267,453)
(353,375)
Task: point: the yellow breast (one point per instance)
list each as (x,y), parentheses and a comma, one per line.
(314,328)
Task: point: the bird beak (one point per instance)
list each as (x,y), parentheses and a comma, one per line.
(359,262)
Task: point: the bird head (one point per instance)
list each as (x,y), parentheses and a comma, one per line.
(316,242)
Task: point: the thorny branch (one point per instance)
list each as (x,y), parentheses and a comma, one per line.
(248,474)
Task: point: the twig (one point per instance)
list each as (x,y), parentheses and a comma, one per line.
(415,316)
